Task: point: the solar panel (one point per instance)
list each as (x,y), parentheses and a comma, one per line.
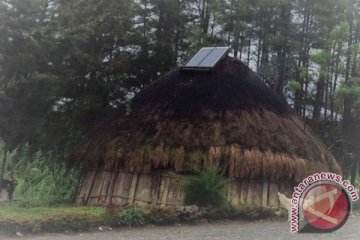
(206,58)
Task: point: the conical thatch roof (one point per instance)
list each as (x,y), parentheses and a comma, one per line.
(227,118)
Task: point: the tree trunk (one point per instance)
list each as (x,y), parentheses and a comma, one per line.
(347,116)
(3,165)
(236,42)
(326,98)
(205,16)
(318,99)
(249,51)
(284,27)
(258,54)
(354,173)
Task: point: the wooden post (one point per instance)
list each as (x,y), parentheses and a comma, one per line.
(155,188)
(273,195)
(78,188)
(3,165)
(133,188)
(166,182)
(244,190)
(110,189)
(91,187)
(143,190)
(254,194)
(265,193)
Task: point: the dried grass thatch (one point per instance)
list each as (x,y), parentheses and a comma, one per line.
(227,118)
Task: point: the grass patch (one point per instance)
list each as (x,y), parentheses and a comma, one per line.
(42,178)
(133,217)
(36,214)
(76,219)
(49,219)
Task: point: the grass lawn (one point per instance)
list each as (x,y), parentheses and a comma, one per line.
(49,219)
(35,214)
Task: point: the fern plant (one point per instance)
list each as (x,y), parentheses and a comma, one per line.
(208,188)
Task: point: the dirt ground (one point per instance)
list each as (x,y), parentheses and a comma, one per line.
(228,230)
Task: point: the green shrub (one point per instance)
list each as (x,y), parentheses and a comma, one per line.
(161,215)
(42,178)
(112,215)
(208,188)
(133,217)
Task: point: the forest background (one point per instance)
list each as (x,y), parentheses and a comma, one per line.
(65,66)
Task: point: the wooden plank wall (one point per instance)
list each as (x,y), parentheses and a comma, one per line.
(257,192)
(120,188)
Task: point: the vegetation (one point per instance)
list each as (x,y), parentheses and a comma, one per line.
(67,65)
(134,216)
(42,178)
(130,217)
(208,188)
(33,215)
(48,219)
(161,215)
(68,219)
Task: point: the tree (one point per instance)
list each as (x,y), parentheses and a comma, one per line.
(67,65)
(27,83)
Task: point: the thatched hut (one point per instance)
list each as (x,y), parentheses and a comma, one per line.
(226,118)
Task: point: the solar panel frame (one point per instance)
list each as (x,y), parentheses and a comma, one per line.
(198,57)
(213,57)
(206,58)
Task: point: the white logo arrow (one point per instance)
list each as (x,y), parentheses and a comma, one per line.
(312,200)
